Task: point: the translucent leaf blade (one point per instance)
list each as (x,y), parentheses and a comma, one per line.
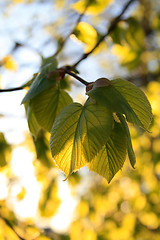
(48,104)
(78,133)
(125,98)
(131,155)
(33,125)
(111,157)
(86,34)
(137,100)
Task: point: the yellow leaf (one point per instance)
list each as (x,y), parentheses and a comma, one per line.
(124,53)
(10,63)
(95,6)
(17,1)
(21,194)
(83,208)
(86,33)
(49,201)
(149,219)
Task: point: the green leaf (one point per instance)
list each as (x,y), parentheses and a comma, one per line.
(131,155)
(65,84)
(48,104)
(41,83)
(111,157)
(123,97)
(50,60)
(33,125)
(42,149)
(78,133)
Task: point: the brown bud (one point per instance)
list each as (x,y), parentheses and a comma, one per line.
(89,86)
(102,82)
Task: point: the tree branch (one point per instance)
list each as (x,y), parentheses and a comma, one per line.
(11,89)
(114,23)
(18,88)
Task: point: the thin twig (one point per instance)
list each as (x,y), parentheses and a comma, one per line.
(11,89)
(76,76)
(114,23)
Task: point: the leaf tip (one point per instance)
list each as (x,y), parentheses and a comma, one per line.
(23,101)
(67,176)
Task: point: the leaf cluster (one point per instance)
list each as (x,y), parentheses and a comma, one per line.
(95,134)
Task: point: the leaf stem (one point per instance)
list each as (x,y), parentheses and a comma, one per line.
(113,24)
(76,76)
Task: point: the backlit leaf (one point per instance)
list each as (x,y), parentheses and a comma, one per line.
(131,155)
(41,82)
(10,63)
(33,125)
(111,157)
(78,133)
(48,104)
(86,33)
(123,97)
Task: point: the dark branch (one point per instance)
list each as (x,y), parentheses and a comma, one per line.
(76,76)
(114,23)
(11,89)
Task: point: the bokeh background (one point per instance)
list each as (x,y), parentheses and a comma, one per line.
(35,202)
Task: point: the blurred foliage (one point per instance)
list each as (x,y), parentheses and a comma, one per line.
(86,34)
(91,6)
(5,151)
(128,208)
(9,63)
(49,202)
